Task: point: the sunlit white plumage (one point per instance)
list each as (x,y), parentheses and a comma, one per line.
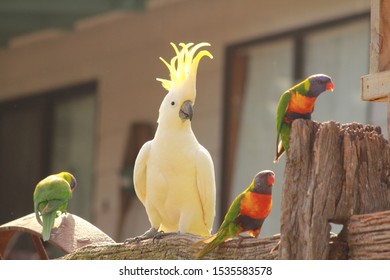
(174,175)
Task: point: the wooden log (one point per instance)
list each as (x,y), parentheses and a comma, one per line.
(179,246)
(369,236)
(332,172)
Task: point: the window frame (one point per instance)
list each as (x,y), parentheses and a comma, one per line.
(47,100)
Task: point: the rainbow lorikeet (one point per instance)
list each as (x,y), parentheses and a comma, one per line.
(298,103)
(51,195)
(246,214)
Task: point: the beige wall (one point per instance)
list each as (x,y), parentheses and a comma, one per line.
(121,51)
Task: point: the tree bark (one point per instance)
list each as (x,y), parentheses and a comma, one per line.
(332,172)
(178,246)
(369,236)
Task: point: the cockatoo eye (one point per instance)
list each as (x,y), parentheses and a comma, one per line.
(173,103)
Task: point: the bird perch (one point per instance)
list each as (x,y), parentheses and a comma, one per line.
(178,246)
(332,172)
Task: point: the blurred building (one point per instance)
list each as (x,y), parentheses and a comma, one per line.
(72,99)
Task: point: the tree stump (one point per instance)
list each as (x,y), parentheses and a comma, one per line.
(332,172)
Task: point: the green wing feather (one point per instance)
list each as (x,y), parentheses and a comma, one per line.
(280,113)
(234,211)
(282,108)
(54,206)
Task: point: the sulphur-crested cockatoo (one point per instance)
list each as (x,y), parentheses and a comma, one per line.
(173,174)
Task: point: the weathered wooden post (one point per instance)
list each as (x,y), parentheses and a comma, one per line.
(332,172)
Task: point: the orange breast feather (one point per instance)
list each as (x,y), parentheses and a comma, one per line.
(255,205)
(300,103)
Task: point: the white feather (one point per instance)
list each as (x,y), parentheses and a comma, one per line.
(174,175)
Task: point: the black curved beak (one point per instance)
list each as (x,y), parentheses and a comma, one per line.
(186,110)
(73,184)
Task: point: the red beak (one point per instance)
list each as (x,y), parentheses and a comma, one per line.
(330,86)
(271,180)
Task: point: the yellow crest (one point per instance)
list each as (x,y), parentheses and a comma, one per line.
(183,64)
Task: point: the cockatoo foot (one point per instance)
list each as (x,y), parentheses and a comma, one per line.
(161,234)
(150,233)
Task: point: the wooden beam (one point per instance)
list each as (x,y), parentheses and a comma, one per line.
(374,33)
(384,36)
(376,86)
(380,32)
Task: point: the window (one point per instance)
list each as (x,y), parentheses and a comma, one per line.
(42,135)
(259,71)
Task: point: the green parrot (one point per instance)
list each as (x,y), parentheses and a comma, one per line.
(51,196)
(246,214)
(298,103)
